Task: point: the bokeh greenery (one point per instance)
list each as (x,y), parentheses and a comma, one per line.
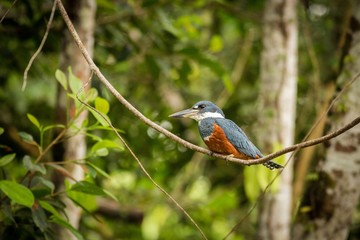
(161,55)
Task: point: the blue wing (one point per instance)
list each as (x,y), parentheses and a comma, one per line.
(238,138)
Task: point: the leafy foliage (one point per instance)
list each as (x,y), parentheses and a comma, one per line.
(36,191)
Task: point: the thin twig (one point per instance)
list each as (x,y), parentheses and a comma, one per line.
(8,10)
(53,142)
(32,59)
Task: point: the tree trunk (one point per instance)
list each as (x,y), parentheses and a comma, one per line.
(278,75)
(331,200)
(82,14)
(306,155)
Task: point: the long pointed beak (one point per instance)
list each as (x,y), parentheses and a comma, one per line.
(187,113)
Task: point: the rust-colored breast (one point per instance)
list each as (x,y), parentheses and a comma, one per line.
(218,142)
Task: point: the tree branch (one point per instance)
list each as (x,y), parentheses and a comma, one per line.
(32,59)
(172,136)
(8,10)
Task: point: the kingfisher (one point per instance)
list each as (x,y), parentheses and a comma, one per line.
(222,135)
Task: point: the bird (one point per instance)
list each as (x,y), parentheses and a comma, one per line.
(222,135)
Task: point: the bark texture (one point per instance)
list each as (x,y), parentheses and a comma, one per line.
(278,76)
(329,203)
(306,155)
(82,13)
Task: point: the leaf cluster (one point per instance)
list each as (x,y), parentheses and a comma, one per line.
(34,194)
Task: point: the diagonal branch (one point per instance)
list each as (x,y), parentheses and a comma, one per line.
(172,136)
(38,51)
(7,11)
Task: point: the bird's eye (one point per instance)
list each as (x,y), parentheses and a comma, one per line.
(201,106)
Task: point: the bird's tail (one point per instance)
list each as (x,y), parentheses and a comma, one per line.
(272,165)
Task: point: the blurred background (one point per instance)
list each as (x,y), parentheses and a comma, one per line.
(272,66)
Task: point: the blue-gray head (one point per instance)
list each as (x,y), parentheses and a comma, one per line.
(199,111)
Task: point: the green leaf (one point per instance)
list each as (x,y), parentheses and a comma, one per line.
(106,143)
(26,137)
(61,78)
(99,117)
(45,182)
(86,201)
(93,136)
(102,105)
(33,167)
(74,82)
(33,120)
(17,193)
(99,170)
(40,191)
(101,147)
(64,223)
(88,187)
(1,130)
(48,207)
(91,95)
(39,217)
(109,194)
(7,159)
(102,152)
(53,126)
